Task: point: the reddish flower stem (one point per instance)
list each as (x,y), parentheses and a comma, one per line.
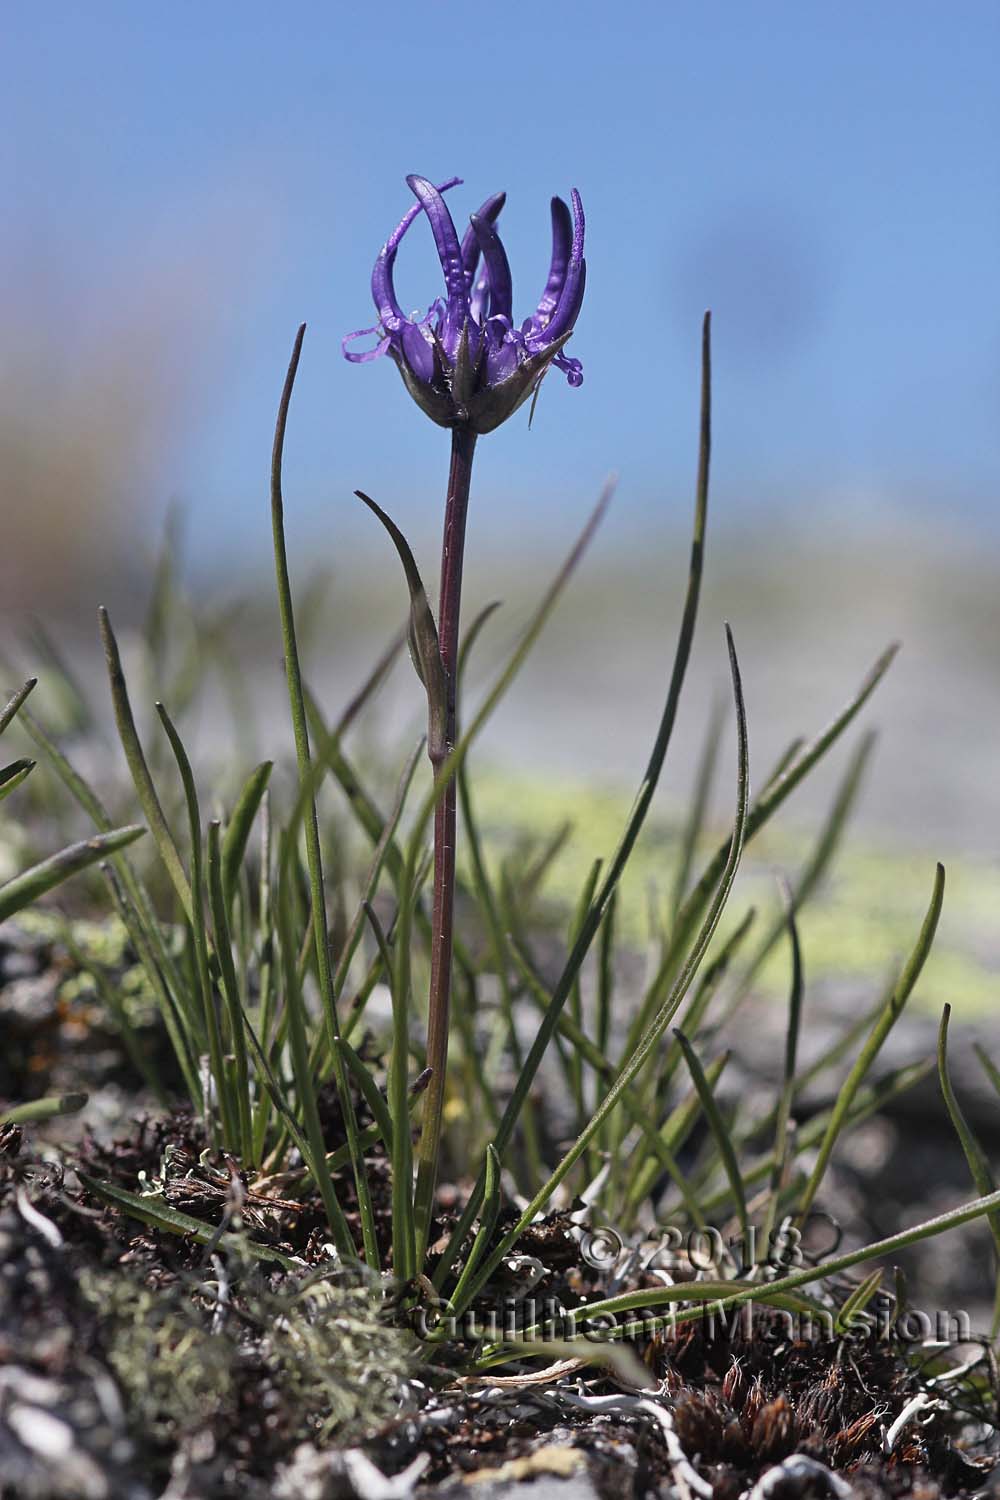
(463,445)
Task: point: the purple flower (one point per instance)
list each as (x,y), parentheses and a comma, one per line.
(464,362)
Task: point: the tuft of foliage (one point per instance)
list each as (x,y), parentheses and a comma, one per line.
(264,946)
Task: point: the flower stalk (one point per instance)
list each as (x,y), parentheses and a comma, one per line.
(463,446)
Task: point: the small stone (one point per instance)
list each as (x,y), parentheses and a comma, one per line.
(38,1430)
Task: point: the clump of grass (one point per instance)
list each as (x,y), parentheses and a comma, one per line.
(263,951)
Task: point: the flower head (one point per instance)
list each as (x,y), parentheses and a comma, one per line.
(464,362)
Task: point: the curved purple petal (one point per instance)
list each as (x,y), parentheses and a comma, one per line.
(383,292)
(417,352)
(489,212)
(562,243)
(503,351)
(450,255)
(571,297)
(566,314)
(497,268)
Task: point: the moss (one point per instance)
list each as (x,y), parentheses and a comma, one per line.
(331,1364)
(175,1376)
(334,1359)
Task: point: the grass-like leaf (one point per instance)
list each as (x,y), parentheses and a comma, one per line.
(238,828)
(158,1214)
(43,1109)
(228,1108)
(724,1296)
(314,856)
(698,809)
(181,1034)
(230,990)
(787,1093)
(423,634)
(12,776)
(717,1126)
(13,704)
(305,1087)
(856,1301)
(31,884)
(979,1167)
(988,1065)
(890,1015)
(818,862)
(149,800)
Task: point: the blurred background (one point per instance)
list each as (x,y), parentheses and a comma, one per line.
(183,185)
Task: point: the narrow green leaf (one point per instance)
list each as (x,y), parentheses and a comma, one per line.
(717,1126)
(13,704)
(717,1293)
(472,633)
(141,778)
(856,1301)
(695,823)
(314,857)
(818,862)
(43,1109)
(157,1212)
(27,887)
(587,1050)
(111,998)
(979,1167)
(672,1134)
(787,1092)
(370,686)
(183,1037)
(988,1065)
(373,1095)
(228,1106)
(705,991)
(304,1081)
(764,1292)
(423,632)
(12,776)
(385,843)
(890,1015)
(487,1223)
(238,828)
(867,1102)
(230,990)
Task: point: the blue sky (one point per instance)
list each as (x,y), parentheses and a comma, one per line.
(199,178)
